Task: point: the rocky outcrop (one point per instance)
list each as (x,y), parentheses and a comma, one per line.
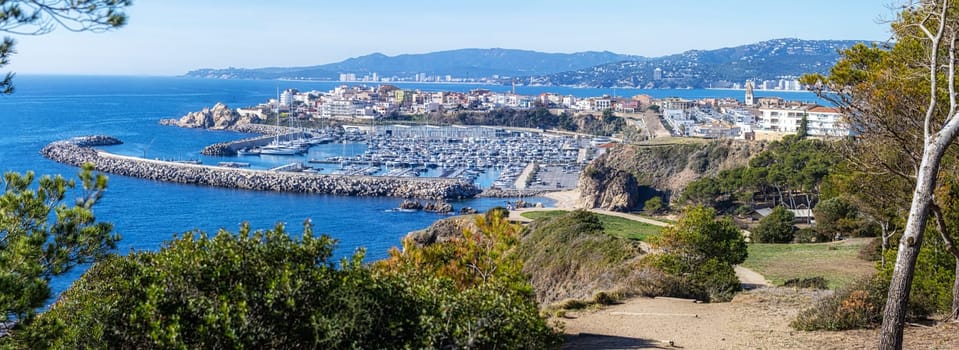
(220,117)
(411,205)
(627,174)
(76,153)
(443,230)
(611,189)
(438,207)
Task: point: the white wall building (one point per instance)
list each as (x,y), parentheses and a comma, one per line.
(820,121)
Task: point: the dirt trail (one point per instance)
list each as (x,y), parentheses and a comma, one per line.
(757,319)
(750,279)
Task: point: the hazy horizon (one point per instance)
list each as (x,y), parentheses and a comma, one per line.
(173,37)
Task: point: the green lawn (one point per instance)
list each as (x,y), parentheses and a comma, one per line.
(613,225)
(837,262)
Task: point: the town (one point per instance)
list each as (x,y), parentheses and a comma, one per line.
(750,118)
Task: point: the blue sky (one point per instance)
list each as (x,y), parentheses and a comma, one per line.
(170,37)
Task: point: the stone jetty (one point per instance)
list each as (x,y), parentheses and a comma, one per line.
(230,148)
(80,150)
(512,193)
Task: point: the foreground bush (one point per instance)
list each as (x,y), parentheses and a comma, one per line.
(268,290)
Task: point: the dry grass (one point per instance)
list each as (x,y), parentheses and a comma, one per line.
(837,262)
(612,225)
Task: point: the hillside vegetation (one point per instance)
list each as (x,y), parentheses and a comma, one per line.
(612,225)
(628,175)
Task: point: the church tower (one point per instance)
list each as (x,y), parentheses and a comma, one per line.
(749,93)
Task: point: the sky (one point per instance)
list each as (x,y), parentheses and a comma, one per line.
(171,37)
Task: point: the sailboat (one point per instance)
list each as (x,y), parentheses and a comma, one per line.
(275,147)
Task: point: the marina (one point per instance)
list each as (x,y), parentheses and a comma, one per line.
(485,156)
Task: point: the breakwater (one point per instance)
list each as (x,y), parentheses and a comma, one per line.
(512,193)
(267,132)
(230,148)
(78,151)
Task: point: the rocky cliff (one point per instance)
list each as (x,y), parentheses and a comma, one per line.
(218,118)
(627,175)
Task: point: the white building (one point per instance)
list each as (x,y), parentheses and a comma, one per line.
(602,104)
(820,121)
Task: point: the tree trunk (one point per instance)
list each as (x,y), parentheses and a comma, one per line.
(894,314)
(884,236)
(954,316)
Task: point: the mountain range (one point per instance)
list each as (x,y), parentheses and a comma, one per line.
(466,63)
(766,60)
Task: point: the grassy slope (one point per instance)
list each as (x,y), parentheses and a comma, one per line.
(837,262)
(612,225)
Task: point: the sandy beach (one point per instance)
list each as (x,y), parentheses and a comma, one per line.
(564,199)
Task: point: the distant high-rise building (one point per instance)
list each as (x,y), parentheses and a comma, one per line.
(657,74)
(749,93)
(376,77)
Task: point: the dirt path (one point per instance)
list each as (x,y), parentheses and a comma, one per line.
(654,126)
(757,319)
(750,279)
(516,215)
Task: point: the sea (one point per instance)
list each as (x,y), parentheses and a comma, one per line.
(146,213)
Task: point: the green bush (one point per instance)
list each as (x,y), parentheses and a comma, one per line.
(817,282)
(931,290)
(654,205)
(808,235)
(701,250)
(718,280)
(775,228)
(268,290)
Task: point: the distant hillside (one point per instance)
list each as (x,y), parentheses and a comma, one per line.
(767,60)
(470,63)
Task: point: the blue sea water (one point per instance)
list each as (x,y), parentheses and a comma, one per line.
(146,213)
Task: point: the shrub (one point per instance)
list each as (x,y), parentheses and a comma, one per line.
(653,205)
(701,250)
(718,280)
(857,306)
(837,216)
(871,251)
(817,282)
(808,235)
(743,211)
(604,298)
(775,228)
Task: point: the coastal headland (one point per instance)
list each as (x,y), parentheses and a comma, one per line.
(78,151)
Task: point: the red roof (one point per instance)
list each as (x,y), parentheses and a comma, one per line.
(821,109)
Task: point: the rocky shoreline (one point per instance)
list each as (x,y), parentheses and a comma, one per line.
(78,151)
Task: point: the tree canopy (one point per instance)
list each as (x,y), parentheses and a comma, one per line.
(904,102)
(42,237)
(790,173)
